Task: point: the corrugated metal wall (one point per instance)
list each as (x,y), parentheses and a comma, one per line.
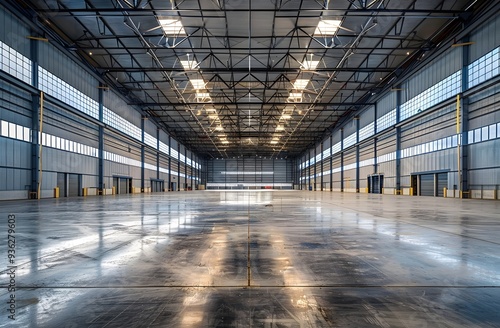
(249,173)
(71,125)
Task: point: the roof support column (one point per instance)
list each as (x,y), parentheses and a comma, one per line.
(100,151)
(398,143)
(463,126)
(357,153)
(142,152)
(169,167)
(35,124)
(321,167)
(341,160)
(375,163)
(331,163)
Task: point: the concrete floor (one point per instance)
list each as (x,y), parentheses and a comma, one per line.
(316,259)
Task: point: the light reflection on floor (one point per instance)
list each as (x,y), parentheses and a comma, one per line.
(256,258)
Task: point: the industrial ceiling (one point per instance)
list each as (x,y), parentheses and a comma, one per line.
(232,78)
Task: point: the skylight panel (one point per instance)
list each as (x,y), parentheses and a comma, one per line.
(310,65)
(300,84)
(295,97)
(189,64)
(172,26)
(198,83)
(327,27)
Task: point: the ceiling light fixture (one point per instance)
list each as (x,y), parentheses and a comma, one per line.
(172,26)
(295,97)
(300,84)
(189,64)
(327,27)
(198,84)
(203,97)
(310,65)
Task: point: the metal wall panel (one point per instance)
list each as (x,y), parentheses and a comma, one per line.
(386,104)
(250,170)
(442,182)
(367,117)
(59,64)
(119,106)
(61,123)
(486,38)
(15,104)
(447,64)
(120,145)
(484,107)
(10,30)
(434,126)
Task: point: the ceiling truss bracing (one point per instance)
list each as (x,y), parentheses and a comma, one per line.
(241,78)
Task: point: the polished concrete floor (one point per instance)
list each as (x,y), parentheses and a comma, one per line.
(254,259)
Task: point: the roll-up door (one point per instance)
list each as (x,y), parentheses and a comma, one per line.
(123,186)
(376,184)
(427,185)
(73,185)
(442,182)
(157,185)
(61,183)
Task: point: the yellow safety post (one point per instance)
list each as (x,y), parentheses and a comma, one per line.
(85,192)
(56,192)
(445,192)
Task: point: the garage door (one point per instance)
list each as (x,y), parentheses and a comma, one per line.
(427,185)
(73,185)
(61,183)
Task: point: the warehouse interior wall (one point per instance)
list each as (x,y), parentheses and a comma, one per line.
(89,141)
(436,134)
(250,173)
(92,138)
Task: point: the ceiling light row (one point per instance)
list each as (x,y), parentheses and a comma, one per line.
(172,26)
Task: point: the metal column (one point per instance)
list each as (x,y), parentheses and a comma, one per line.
(321,179)
(463,127)
(357,153)
(331,163)
(143,118)
(398,143)
(341,160)
(35,113)
(100,151)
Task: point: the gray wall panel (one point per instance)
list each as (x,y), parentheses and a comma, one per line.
(485,39)
(10,29)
